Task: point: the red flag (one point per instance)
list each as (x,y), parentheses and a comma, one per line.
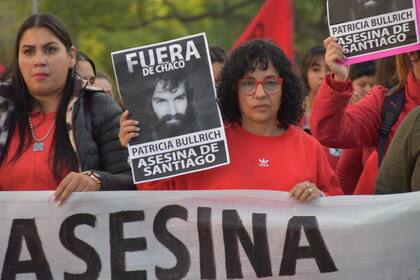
(2,69)
(274,21)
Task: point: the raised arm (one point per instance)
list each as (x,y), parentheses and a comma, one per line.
(334,121)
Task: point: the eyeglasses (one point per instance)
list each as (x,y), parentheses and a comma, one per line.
(270,85)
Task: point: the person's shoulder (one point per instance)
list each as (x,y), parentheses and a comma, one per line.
(416,111)
(374,98)
(6,89)
(97,95)
(94,90)
(100,102)
(5,84)
(379,91)
(230,127)
(413,118)
(298,133)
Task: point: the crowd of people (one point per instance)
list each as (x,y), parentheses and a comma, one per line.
(318,132)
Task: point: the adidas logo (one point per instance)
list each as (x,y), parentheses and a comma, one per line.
(263,162)
(335,152)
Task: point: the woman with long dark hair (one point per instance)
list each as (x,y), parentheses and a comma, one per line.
(55,132)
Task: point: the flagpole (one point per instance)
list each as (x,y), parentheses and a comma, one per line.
(35,7)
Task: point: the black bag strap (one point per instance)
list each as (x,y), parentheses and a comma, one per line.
(391,110)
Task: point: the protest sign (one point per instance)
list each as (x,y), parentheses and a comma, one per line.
(208,235)
(372,29)
(169,88)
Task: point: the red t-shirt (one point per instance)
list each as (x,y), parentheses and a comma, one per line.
(333,154)
(261,162)
(32,169)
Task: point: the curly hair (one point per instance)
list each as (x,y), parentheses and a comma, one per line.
(259,53)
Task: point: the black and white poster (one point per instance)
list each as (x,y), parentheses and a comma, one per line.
(371,29)
(169,88)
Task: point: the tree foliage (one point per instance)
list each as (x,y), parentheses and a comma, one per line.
(99,27)
(310,24)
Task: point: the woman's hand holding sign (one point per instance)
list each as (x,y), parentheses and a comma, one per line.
(305,191)
(128,129)
(334,58)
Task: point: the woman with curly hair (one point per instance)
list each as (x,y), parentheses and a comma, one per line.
(261,102)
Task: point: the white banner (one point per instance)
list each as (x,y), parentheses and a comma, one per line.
(208,235)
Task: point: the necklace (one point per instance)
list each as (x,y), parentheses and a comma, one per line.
(39,142)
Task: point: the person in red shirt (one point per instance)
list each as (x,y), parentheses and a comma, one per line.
(44,143)
(335,122)
(261,102)
(350,165)
(313,72)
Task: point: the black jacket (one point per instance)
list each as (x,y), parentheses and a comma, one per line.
(96,120)
(93,132)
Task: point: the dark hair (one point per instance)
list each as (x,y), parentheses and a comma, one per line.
(362,69)
(64,155)
(259,53)
(171,80)
(308,60)
(217,54)
(81,56)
